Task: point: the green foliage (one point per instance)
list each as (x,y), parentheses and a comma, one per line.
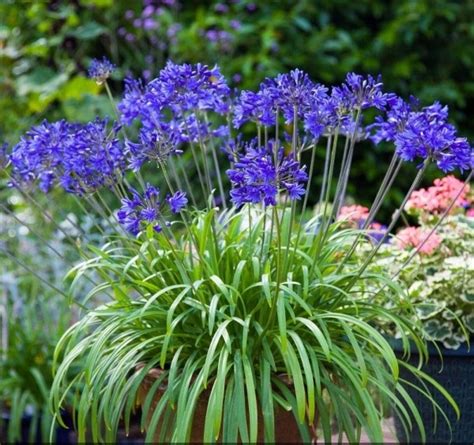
(32,321)
(35,322)
(224,309)
(33,316)
(43,50)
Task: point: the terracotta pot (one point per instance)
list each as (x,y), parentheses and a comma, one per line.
(286,428)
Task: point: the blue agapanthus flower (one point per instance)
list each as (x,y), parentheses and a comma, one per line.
(257,178)
(100,70)
(78,157)
(177,201)
(387,127)
(141,210)
(132,103)
(288,94)
(154,145)
(186,87)
(427,134)
(294,93)
(171,108)
(94,156)
(360,92)
(40,152)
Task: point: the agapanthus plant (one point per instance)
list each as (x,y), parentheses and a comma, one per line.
(219,280)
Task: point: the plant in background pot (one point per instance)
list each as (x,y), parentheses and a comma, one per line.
(435,262)
(32,323)
(225,318)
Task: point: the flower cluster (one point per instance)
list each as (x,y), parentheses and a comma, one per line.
(425,134)
(437,198)
(78,157)
(93,158)
(171,109)
(292,95)
(39,153)
(355,216)
(416,237)
(139,211)
(261,173)
(100,70)
(397,113)
(359,92)
(192,104)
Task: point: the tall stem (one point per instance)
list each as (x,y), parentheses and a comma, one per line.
(216,166)
(387,182)
(347,167)
(325,171)
(395,219)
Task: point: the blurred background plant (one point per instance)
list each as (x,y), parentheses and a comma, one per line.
(437,269)
(33,318)
(32,325)
(34,314)
(417,45)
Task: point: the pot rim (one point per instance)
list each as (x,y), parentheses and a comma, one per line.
(463,351)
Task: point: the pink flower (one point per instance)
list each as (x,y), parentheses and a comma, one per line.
(355,214)
(437,198)
(412,237)
(470,212)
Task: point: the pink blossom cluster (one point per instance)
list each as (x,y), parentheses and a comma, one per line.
(437,198)
(354,214)
(413,237)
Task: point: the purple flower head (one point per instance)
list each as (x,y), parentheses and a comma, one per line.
(322,116)
(39,154)
(235,24)
(189,87)
(138,210)
(141,210)
(156,144)
(359,92)
(148,11)
(289,94)
(149,23)
(254,107)
(397,114)
(177,201)
(294,93)
(94,156)
(256,178)
(171,110)
(427,134)
(78,157)
(100,70)
(132,103)
(149,214)
(221,8)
